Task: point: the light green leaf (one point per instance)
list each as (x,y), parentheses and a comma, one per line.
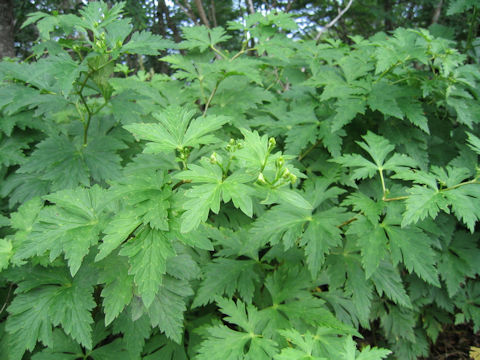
(146,43)
(147,254)
(5,253)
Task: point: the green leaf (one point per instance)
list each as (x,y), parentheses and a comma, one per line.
(347,110)
(474,142)
(134,330)
(146,43)
(203,198)
(414,246)
(362,203)
(367,353)
(464,201)
(378,148)
(305,346)
(226,277)
(70,226)
(372,241)
(458,261)
(161,347)
(388,281)
(281,223)
(167,310)
(118,289)
(423,202)
(176,130)
(224,343)
(147,255)
(459,6)
(59,300)
(383,98)
(321,235)
(62,348)
(5,253)
(201,37)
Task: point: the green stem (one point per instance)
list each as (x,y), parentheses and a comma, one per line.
(210,98)
(471,34)
(384,189)
(86,124)
(242,52)
(200,81)
(386,72)
(218,52)
(474,181)
(396,198)
(310,149)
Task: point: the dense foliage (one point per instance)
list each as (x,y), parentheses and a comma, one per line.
(276,202)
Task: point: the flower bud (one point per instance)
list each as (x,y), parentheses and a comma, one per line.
(280,162)
(271,143)
(261,179)
(213,158)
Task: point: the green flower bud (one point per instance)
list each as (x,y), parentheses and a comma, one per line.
(261,179)
(271,143)
(280,162)
(213,158)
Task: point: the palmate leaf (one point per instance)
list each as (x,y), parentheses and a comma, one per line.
(362,203)
(464,201)
(224,343)
(66,163)
(305,346)
(176,130)
(62,348)
(225,277)
(387,280)
(135,329)
(474,143)
(5,253)
(461,197)
(290,288)
(118,289)
(146,43)
(147,255)
(145,200)
(414,247)
(346,270)
(378,148)
(349,352)
(167,310)
(372,241)
(71,226)
(459,261)
(59,300)
(383,98)
(281,222)
(200,199)
(321,235)
(160,347)
(201,37)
